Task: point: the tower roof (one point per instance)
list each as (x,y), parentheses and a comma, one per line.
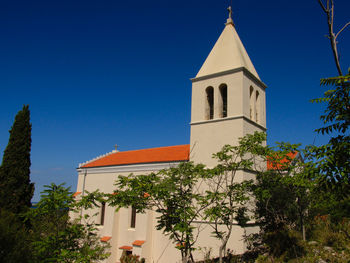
(228,53)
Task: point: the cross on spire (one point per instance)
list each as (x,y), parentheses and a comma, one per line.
(229,9)
(229,19)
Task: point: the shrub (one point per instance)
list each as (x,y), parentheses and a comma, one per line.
(125,258)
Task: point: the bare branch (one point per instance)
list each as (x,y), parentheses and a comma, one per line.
(332,37)
(322,5)
(346,25)
(332,16)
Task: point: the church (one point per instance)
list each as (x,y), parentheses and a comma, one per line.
(228,102)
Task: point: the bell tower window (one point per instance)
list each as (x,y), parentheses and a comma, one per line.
(257,106)
(133,217)
(251,103)
(103,210)
(209,103)
(223,93)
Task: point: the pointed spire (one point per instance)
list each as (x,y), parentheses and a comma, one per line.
(228,53)
(229,19)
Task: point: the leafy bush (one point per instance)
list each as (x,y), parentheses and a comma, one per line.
(14,245)
(57,238)
(125,258)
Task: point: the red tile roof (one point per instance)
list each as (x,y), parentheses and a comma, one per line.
(280,164)
(105,238)
(138,243)
(126,247)
(76,194)
(158,155)
(153,155)
(179,244)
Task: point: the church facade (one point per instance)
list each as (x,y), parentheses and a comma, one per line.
(228,102)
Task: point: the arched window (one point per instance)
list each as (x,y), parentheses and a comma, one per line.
(251,103)
(210,103)
(257,106)
(223,93)
(133,217)
(103,210)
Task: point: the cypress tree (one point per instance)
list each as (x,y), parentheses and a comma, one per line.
(16,190)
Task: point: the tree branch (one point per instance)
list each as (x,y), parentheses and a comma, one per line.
(346,25)
(323,7)
(332,37)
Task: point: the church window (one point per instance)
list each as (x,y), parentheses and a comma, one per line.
(210,103)
(103,209)
(257,106)
(251,102)
(133,217)
(223,93)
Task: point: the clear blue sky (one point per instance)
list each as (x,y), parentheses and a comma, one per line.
(100,73)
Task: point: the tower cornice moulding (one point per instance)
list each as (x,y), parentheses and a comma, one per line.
(227,72)
(228,119)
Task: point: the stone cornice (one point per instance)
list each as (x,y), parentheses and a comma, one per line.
(129,168)
(231,71)
(230,118)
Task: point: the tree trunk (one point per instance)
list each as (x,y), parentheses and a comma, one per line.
(301,215)
(220,254)
(186,256)
(222,250)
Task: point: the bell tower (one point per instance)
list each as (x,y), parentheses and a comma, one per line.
(228,98)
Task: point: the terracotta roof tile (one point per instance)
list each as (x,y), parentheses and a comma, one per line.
(138,243)
(105,238)
(271,165)
(179,244)
(76,194)
(126,247)
(153,155)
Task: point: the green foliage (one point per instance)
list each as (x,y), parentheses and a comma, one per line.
(228,197)
(284,197)
(125,258)
(288,199)
(337,113)
(284,244)
(335,235)
(329,243)
(56,237)
(16,191)
(282,192)
(191,192)
(315,193)
(174,194)
(14,239)
(332,160)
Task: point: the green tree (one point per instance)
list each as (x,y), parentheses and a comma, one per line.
(15,243)
(332,159)
(175,194)
(228,197)
(16,190)
(57,237)
(283,196)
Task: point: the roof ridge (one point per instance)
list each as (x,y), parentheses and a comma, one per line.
(96,158)
(115,151)
(155,148)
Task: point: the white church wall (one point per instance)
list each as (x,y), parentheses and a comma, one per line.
(211,139)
